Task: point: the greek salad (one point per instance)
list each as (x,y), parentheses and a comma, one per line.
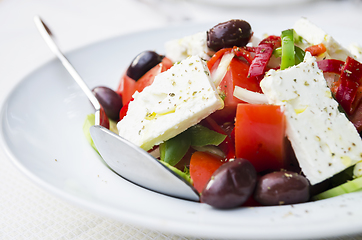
(247,121)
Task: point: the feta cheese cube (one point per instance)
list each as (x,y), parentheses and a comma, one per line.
(177,99)
(315,35)
(356,51)
(325,142)
(194,45)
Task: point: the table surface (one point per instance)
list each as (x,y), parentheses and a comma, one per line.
(28,212)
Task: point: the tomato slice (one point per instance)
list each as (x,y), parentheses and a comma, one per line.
(237,75)
(148,78)
(128,86)
(104,121)
(260,136)
(214,61)
(202,166)
(124,110)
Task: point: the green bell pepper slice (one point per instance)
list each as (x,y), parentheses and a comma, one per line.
(174,149)
(299,55)
(202,136)
(288,57)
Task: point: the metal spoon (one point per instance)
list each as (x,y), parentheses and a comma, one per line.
(123,157)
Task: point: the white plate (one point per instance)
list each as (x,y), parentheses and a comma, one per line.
(41,131)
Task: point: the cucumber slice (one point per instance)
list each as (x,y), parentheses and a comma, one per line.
(88,122)
(348,187)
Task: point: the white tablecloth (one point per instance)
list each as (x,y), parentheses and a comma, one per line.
(28,212)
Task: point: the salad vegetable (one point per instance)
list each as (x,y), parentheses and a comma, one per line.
(248,122)
(288,56)
(174,149)
(263,54)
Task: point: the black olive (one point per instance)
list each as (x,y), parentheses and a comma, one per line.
(109,100)
(142,63)
(229,34)
(280,188)
(230,185)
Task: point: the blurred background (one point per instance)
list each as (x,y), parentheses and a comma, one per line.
(28,212)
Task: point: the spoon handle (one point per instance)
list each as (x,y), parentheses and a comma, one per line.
(47,36)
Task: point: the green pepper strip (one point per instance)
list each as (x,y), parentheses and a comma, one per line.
(202,136)
(297,38)
(299,54)
(174,149)
(288,58)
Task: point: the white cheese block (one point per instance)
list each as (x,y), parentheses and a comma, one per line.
(315,35)
(194,45)
(356,51)
(324,140)
(177,99)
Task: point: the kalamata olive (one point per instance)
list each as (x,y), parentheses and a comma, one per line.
(109,100)
(280,188)
(228,34)
(142,63)
(230,185)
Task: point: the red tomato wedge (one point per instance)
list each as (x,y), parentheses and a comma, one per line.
(215,60)
(104,121)
(128,86)
(124,110)
(260,136)
(148,78)
(236,75)
(202,166)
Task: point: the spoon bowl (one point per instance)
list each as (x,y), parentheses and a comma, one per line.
(123,157)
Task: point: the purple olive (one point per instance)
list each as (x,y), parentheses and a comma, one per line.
(229,34)
(142,63)
(109,100)
(230,185)
(280,188)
